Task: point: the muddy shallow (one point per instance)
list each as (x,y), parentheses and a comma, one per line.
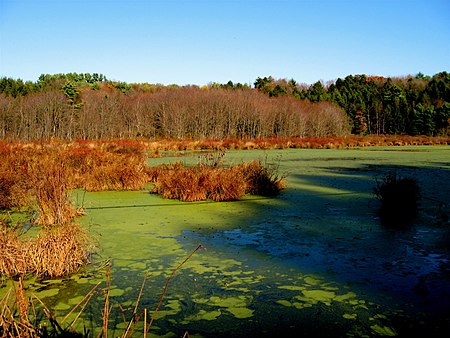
(314,261)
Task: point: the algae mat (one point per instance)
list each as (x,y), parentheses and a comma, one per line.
(314,261)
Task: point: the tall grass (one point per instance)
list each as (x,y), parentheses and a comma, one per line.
(215,182)
(261,179)
(56,251)
(49,175)
(13,252)
(15,187)
(99,166)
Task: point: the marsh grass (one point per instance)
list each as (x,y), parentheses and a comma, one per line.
(13,252)
(15,188)
(262,179)
(330,142)
(49,175)
(99,166)
(215,182)
(55,252)
(60,250)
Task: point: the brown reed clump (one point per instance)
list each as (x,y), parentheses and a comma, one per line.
(60,250)
(215,182)
(113,165)
(13,252)
(49,175)
(399,197)
(57,251)
(15,188)
(261,179)
(179,182)
(226,184)
(10,325)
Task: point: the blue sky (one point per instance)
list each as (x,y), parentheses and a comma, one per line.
(200,41)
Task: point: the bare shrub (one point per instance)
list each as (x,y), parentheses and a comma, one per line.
(399,198)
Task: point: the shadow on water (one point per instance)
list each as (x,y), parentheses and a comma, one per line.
(326,223)
(176,204)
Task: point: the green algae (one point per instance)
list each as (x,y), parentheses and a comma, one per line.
(114,292)
(315,296)
(61,307)
(284,302)
(311,280)
(202,315)
(383,331)
(349,315)
(172,308)
(47,293)
(292,287)
(240,312)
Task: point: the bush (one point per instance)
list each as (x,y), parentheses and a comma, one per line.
(261,179)
(214,182)
(399,200)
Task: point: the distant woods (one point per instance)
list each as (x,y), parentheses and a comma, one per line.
(89,106)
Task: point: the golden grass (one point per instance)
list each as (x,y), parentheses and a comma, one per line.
(99,166)
(49,177)
(216,183)
(57,251)
(13,252)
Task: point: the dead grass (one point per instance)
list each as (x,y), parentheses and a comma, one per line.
(331,142)
(13,252)
(57,251)
(49,175)
(217,183)
(262,179)
(108,165)
(15,191)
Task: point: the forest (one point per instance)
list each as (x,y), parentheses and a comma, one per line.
(89,106)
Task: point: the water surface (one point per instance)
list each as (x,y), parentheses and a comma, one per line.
(315,261)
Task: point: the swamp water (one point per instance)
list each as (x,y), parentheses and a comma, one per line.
(313,261)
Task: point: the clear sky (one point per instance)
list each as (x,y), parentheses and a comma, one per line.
(202,41)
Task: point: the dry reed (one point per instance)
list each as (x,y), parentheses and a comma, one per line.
(216,183)
(57,251)
(13,252)
(49,175)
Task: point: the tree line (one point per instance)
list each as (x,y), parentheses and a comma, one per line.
(89,106)
(413,105)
